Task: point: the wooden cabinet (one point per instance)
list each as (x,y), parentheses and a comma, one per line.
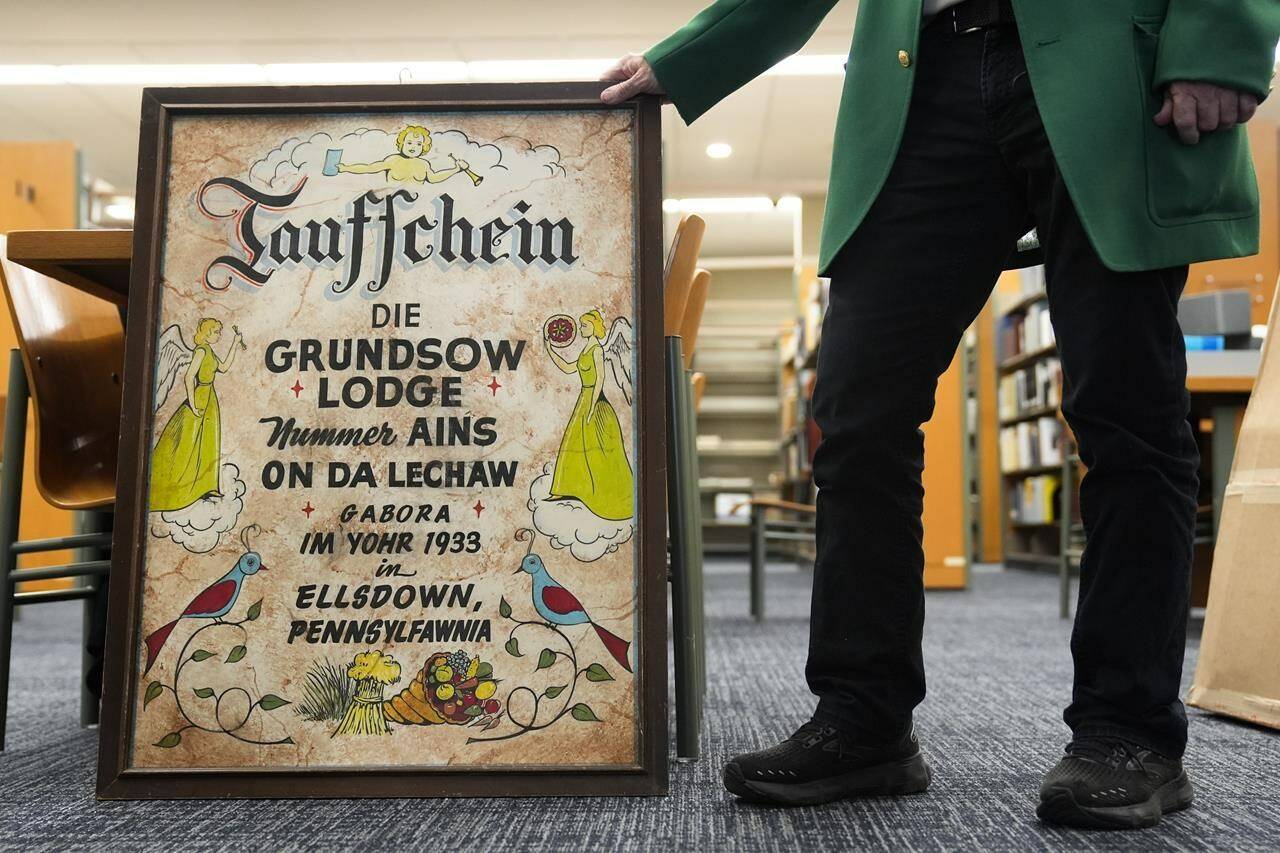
(39,188)
(945,503)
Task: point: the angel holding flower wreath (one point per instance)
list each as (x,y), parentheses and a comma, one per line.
(592,465)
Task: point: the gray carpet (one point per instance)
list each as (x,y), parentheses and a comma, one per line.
(999,674)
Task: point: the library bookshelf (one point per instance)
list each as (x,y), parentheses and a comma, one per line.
(1037,459)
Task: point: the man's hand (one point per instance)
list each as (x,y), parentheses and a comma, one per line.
(1196,108)
(636,76)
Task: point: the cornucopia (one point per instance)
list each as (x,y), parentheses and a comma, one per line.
(451,688)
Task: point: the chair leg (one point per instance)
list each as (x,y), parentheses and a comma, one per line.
(758,546)
(95,621)
(15,446)
(683,626)
(695,540)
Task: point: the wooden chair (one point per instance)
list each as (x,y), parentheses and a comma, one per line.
(683,518)
(699,381)
(691,321)
(72,357)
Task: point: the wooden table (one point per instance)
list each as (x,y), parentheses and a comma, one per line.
(1221,382)
(93,260)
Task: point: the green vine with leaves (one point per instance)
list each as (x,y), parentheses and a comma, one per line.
(268,702)
(549,657)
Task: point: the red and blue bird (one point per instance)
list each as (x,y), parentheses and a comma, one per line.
(215,602)
(558,606)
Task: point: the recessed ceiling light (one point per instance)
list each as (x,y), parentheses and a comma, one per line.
(719,150)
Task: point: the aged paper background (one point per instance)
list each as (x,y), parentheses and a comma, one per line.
(584,173)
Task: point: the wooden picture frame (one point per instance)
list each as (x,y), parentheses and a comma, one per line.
(139,598)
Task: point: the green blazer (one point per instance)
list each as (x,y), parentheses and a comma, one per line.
(1098,68)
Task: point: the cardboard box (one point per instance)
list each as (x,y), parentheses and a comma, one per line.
(1238,672)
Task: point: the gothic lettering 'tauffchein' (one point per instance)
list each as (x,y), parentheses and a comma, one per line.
(512,238)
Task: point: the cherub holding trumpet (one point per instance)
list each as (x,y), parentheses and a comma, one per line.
(409,163)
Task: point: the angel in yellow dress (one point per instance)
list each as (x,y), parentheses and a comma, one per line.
(409,164)
(186,460)
(592,465)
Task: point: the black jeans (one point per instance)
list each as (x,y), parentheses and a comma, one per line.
(974,168)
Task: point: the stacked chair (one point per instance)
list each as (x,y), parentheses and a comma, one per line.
(685,296)
(69,368)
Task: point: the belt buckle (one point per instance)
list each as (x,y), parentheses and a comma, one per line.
(955,24)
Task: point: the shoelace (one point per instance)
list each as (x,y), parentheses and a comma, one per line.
(1114,752)
(811,732)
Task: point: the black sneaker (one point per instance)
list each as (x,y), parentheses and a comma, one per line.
(819,764)
(1111,783)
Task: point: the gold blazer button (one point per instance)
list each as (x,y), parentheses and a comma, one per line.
(904,58)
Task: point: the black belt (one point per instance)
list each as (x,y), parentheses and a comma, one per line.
(973,15)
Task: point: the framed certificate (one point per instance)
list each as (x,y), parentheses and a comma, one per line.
(390,515)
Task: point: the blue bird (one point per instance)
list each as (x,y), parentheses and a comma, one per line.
(558,606)
(217,599)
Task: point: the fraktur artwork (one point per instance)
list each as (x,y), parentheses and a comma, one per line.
(390,441)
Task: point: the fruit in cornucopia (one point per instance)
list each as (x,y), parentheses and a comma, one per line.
(452,688)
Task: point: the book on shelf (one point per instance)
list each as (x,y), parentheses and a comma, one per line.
(1025,331)
(1035,386)
(1034,500)
(1031,444)
(1039,329)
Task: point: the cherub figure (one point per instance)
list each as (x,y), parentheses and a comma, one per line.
(409,163)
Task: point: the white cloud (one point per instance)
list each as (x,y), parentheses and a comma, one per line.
(199,527)
(569,524)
